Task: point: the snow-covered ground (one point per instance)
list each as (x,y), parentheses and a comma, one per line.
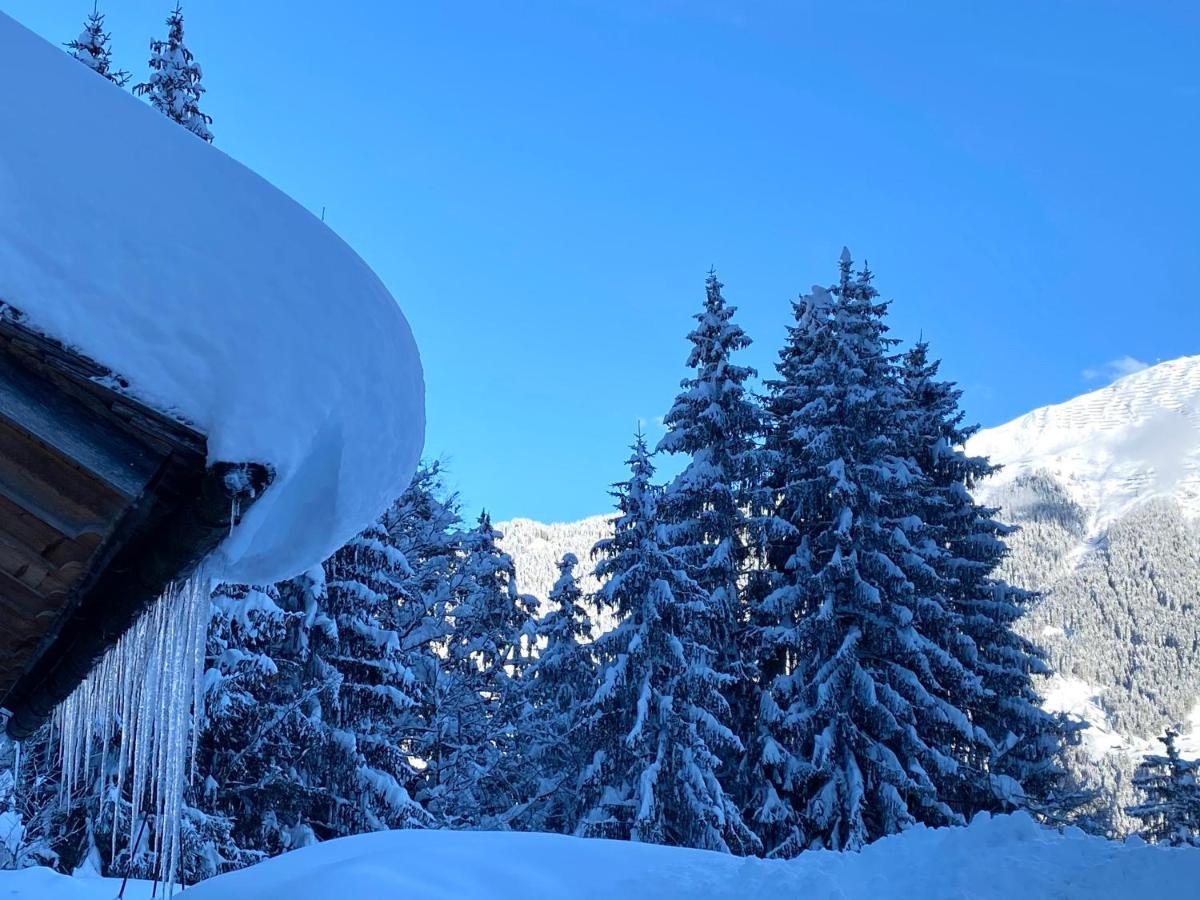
(217,297)
(1004,857)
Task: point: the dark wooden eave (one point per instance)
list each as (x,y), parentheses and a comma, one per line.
(103,502)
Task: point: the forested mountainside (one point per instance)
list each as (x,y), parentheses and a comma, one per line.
(1118,622)
(1105,489)
(539,547)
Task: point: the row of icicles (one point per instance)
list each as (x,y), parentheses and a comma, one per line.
(150,688)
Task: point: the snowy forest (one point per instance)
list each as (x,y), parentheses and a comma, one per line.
(807,639)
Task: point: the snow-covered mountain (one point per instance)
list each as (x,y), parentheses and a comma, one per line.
(1106,491)
(1113,448)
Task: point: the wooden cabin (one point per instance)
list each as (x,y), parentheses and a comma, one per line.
(103,502)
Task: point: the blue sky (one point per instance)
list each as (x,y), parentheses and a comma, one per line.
(543,186)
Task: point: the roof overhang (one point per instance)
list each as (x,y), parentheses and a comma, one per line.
(104,501)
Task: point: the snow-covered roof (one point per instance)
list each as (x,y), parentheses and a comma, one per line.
(221,300)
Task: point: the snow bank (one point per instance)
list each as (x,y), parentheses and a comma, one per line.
(221,300)
(1004,857)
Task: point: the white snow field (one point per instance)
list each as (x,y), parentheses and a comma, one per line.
(220,299)
(994,858)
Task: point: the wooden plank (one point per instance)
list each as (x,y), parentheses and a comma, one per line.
(75,433)
(23,527)
(19,599)
(38,479)
(95,386)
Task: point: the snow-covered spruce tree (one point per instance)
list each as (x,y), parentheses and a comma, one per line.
(378,713)
(860,695)
(475,774)
(559,682)
(712,508)
(322,704)
(91,48)
(1171,787)
(1015,757)
(424,526)
(37,826)
(174,86)
(658,720)
(265,750)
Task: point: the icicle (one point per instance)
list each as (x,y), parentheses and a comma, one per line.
(150,687)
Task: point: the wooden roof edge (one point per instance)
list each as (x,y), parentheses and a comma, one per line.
(137,574)
(94,384)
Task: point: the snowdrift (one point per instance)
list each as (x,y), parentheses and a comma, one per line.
(1002,857)
(219,299)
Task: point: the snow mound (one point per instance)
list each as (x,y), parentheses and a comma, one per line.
(1001,857)
(1112,448)
(221,300)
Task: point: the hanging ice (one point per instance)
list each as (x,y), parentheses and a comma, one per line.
(147,695)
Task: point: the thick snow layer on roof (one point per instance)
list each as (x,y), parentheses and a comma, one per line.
(992,859)
(220,299)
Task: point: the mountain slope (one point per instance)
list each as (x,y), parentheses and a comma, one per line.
(1112,448)
(1106,491)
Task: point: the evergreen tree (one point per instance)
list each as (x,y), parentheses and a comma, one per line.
(559,683)
(711,508)
(266,753)
(39,826)
(1013,760)
(424,526)
(91,48)
(377,712)
(716,422)
(658,722)
(860,693)
(1171,786)
(477,778)
(320,689)
(174,86)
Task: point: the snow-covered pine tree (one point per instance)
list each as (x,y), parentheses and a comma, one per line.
(174,86)
(424,526)
(476,776)
(265,750)
(378,714)
(1014,760)
(321,689)
(859,692)
(1171,787)
(38,827)
(711,508)
(559,682)
(658,720)
(91,48)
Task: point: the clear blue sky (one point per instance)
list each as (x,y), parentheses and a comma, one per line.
(543,186)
